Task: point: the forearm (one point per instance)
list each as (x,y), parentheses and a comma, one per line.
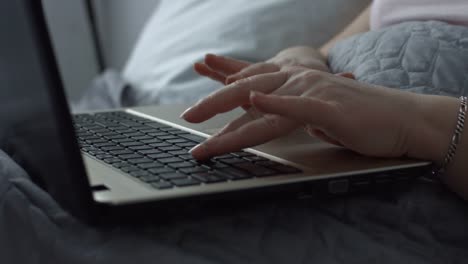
(309,56)
(359,25)
(433,137)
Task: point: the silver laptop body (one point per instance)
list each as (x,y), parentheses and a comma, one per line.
(36,129)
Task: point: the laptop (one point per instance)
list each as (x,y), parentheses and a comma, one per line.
(136,156)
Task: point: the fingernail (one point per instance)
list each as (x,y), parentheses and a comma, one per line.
(252,94)
(210,55)
(255,95)
(230,80)
(184,114)
(197,151)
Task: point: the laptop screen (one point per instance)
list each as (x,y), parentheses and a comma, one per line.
(35,124)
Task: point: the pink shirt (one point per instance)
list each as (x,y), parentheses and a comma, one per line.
(388,12)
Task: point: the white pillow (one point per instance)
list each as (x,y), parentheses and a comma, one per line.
(180,33)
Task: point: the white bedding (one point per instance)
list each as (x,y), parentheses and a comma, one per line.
(180,33)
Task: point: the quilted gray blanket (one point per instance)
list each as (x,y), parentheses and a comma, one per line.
(424,224)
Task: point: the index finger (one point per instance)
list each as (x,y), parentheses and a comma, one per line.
(233,95)
(224,65)
(251,134)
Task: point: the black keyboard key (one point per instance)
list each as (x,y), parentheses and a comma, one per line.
(154,124)
(268,163)
(123,140)
(225,156)
(149,130)
(85,135)
(232,160)
(219,165)
(242,154)
(176,141)
(193,137)
(129,169)
(157,134)
(141,138)
(195,169)
(149,178)
(161,185)
(105,156)
(161,170)
(109,134)
(160,145)
(286,169)
(234,174)
(187,156)
(168,128)
(116,137)
(171,148)
(151,141)
(208,177)
(149,151)
(96,141)
(151,165)
(170,160)
(139,173)
(160,155)
(129,123)
(178,132)
(87,149)
(256,170)
(107,123)
(178,152)
(111,160)
(119,165)
(185,182)
(120,152)
(186,145)
(167,138)
(180,165)
(119,128)
(126,131)
(134,134)
(133,143)
(97,152)
(140,161)
(256,158)
(107,144)
(142,147)
(111,148)
(131,156)
(172,175)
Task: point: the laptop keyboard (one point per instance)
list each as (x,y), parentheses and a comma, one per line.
(157,154)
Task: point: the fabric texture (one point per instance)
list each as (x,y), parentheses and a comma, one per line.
(180,33)
(107,91)
(425,57)
(389,12)
(424,224)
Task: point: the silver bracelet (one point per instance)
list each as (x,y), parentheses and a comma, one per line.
(455,138)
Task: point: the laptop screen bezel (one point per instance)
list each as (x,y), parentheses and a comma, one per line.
(72,191)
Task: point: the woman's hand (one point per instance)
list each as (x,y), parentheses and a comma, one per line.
(227,70)
(368,119)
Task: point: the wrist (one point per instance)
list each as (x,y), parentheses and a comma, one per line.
(432,131)
(301,56)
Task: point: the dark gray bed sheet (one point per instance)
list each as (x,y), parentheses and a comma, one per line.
(426,224)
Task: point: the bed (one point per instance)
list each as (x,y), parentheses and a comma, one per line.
(422,223)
